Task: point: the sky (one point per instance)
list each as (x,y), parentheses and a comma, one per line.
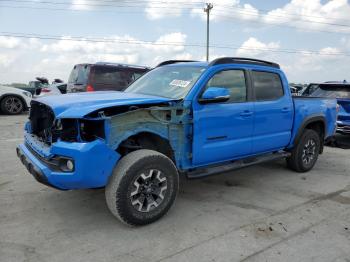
(309,39)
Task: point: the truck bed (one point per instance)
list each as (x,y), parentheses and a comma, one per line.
(306,107)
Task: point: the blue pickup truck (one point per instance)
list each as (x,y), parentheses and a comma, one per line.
(182,118)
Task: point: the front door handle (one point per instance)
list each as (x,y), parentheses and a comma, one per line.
(246,113)
(285,109)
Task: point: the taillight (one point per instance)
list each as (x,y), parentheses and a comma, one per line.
(89,88)
(45,90)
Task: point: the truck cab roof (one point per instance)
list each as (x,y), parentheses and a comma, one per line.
(224,60)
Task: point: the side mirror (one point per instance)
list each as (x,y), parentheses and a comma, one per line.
(215,95)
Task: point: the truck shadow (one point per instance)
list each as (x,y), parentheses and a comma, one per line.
(341,141)
(248,189)
(256,191)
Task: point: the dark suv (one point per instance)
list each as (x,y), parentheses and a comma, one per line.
(103,76)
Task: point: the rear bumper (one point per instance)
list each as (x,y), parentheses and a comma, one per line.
(343,127)
(94,163)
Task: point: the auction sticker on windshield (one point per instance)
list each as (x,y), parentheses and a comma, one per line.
(180,83)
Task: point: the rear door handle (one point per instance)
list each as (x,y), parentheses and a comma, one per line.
(285,109)
(246,113)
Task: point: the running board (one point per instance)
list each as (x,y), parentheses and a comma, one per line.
(229,166)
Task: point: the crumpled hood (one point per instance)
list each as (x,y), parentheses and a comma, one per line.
(78,105)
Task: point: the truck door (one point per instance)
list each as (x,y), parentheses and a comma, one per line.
(273,112)
(223,130)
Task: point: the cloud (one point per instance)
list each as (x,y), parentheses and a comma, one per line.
(253,47)
(178,39)
(23,59)
(6,60)
(223,9)
(228,10)
(84,45)
(83,4)
(168,43)
(54,59)
(330,51)
(9,42)
(311,14)
(165,8)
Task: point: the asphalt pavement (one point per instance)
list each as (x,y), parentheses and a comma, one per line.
(261,213)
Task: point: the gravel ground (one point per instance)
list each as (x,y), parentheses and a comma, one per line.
(260,213)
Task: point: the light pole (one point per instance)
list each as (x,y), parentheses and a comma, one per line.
(207,9)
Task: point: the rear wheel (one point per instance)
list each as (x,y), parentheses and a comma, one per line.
(142,188)
(12,105)
(305,152)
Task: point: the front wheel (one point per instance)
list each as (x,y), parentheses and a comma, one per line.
(305,152)
(142,188)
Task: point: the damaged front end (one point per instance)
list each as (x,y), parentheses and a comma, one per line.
(66,153)
(49,130)
(72,152)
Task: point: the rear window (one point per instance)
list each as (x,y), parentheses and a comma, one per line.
(79,74)
(267,86)
(113,77)
(332,91)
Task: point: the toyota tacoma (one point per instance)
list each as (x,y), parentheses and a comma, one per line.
(182,118)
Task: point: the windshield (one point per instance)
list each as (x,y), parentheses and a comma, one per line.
(169,81)
(332,91)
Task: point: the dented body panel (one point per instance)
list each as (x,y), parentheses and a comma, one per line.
(171,123)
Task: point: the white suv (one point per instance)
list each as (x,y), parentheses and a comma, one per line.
(14,101)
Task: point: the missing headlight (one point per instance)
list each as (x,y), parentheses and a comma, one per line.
(92,129)
(65,129)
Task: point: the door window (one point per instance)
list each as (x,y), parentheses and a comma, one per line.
(267,86)
(234,81)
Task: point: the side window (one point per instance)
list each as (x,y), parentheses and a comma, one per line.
(234,81)
(267,86)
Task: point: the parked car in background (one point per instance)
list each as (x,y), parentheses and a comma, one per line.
(193,119)
(35,86)
(103,76)
(298,87)
(14,101)
(294,91)
(53,89)
(309,89)
(340,91)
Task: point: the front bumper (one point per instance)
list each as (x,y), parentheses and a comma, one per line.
(94,163)
(343,127)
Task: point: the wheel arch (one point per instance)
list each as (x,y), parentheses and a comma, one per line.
(145,139)
(315,122)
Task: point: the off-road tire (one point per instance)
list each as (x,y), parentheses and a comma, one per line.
(297,159)
(118,191)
